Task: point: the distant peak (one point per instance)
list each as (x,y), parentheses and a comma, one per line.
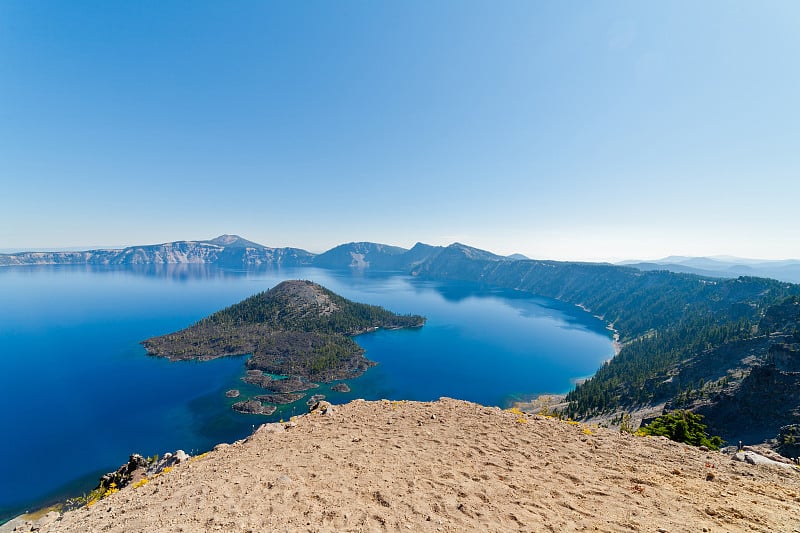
(472,252)
(422,246)
(226,239)
(234,241)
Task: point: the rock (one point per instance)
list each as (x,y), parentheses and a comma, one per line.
(274,427)
(290,384)
(279,398)
(221,446)
(322,407)
(253,407)
(125,473)
(314,399)
(767,452)
(754,458)
(167,461)
(340,387)
(257,378)
(233,393)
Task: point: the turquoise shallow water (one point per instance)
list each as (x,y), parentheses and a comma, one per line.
(78,394)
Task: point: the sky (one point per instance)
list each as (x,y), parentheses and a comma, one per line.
(560,130)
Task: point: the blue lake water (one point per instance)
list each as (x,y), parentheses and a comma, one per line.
(78,394)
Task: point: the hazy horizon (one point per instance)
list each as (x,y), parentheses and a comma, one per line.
(593,132)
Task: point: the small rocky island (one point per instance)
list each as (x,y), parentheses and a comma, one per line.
(297,329)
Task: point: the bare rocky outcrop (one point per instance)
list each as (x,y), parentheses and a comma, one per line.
(449,466)
(253,407)
(765,399)
(125,474)
(279,386)
(760,454)
(280,398)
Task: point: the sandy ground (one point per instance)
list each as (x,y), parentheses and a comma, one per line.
(450,466)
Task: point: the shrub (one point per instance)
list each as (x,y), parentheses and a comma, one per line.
(682,426)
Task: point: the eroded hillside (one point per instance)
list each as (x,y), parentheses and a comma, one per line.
(450,466)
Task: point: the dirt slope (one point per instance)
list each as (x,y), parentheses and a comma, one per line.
(450,466)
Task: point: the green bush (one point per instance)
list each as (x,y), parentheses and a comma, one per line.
(682,426)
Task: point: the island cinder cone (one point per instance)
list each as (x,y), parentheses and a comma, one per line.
(297,329)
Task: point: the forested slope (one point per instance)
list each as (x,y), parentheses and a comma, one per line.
(663,318)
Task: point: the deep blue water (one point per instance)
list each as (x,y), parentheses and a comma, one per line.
(78,394)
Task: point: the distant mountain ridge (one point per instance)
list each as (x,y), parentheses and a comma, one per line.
(724,267)
(233,250)
(226,250)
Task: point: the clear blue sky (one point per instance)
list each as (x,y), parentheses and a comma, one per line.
(566,130)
